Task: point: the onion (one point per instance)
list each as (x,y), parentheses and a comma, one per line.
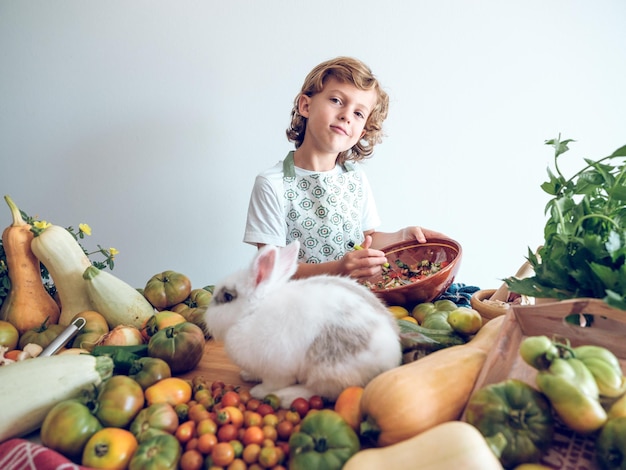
(122,335)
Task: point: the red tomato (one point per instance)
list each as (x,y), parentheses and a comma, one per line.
(222,454)
(230,398)
(301,406)
(110,448)
(316,402)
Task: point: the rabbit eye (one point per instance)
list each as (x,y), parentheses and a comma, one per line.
(225,296)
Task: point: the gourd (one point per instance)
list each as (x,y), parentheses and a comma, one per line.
(447,446)
(118,302)
(28,303)
(66,261)
(30,388)
(408,400)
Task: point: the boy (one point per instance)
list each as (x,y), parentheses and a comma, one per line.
(317,194)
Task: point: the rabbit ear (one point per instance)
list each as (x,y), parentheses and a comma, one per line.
(277,265)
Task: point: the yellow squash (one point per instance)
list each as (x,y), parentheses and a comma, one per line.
(28,303)
(447,446)
(408,400)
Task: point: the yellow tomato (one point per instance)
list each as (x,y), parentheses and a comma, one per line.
(398,311)
(465,320)
(110,448)
(172,390)
(409,318)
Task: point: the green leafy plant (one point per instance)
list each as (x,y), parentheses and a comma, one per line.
(584,250)
(36,227)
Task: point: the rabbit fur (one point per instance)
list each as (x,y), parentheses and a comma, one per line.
(301,337)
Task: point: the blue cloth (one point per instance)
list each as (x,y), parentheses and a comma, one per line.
(458,293)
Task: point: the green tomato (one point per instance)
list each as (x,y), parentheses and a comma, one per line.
(445,305)
(166,289)
(437,320)
(42,335)
(181,346)
(147,371)
(156,419)
(611,445)
(120,399)
(68,426)
(325,440)
(420,311)
(515,419)
(9,336)
(159,452)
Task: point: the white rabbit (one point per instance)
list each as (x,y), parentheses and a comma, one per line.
(301,337)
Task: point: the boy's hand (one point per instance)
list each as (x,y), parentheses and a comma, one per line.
(363,261)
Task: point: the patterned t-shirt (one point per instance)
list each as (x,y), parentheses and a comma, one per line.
(323,210)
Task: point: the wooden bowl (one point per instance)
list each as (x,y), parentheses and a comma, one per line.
(435,250)
(487,310)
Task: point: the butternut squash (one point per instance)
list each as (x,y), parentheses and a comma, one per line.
(117,301)
(66,261)
(415,397)
(447,446)
(28,303)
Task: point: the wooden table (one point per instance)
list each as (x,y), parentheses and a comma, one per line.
(215,365)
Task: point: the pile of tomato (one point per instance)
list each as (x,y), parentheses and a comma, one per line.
(225,427)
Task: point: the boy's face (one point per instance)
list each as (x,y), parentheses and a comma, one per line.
(336,116)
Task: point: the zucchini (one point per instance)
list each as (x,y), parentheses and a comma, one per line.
(31,388)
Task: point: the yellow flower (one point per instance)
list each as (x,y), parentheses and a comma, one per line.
(86,229)
(113,252)
(41,224)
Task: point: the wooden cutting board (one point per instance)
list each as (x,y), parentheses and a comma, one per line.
(215,365)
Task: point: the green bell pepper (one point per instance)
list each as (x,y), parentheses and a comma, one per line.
(325,441)
(515,419)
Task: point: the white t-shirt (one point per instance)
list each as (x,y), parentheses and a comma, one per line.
(323,210)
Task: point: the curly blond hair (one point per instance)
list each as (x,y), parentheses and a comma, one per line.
(347,70)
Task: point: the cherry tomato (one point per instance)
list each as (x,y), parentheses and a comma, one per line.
(191,460)
(227,432)
(230,398)
(301,406)
(110,448)
(185,431)
(253,435)
(316,402)
(222,454)
(172,390)
(120,399)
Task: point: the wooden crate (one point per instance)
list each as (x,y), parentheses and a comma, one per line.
(569,450)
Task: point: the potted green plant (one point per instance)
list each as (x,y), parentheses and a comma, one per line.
(584,249)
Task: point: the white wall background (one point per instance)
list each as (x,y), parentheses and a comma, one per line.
(149,120)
